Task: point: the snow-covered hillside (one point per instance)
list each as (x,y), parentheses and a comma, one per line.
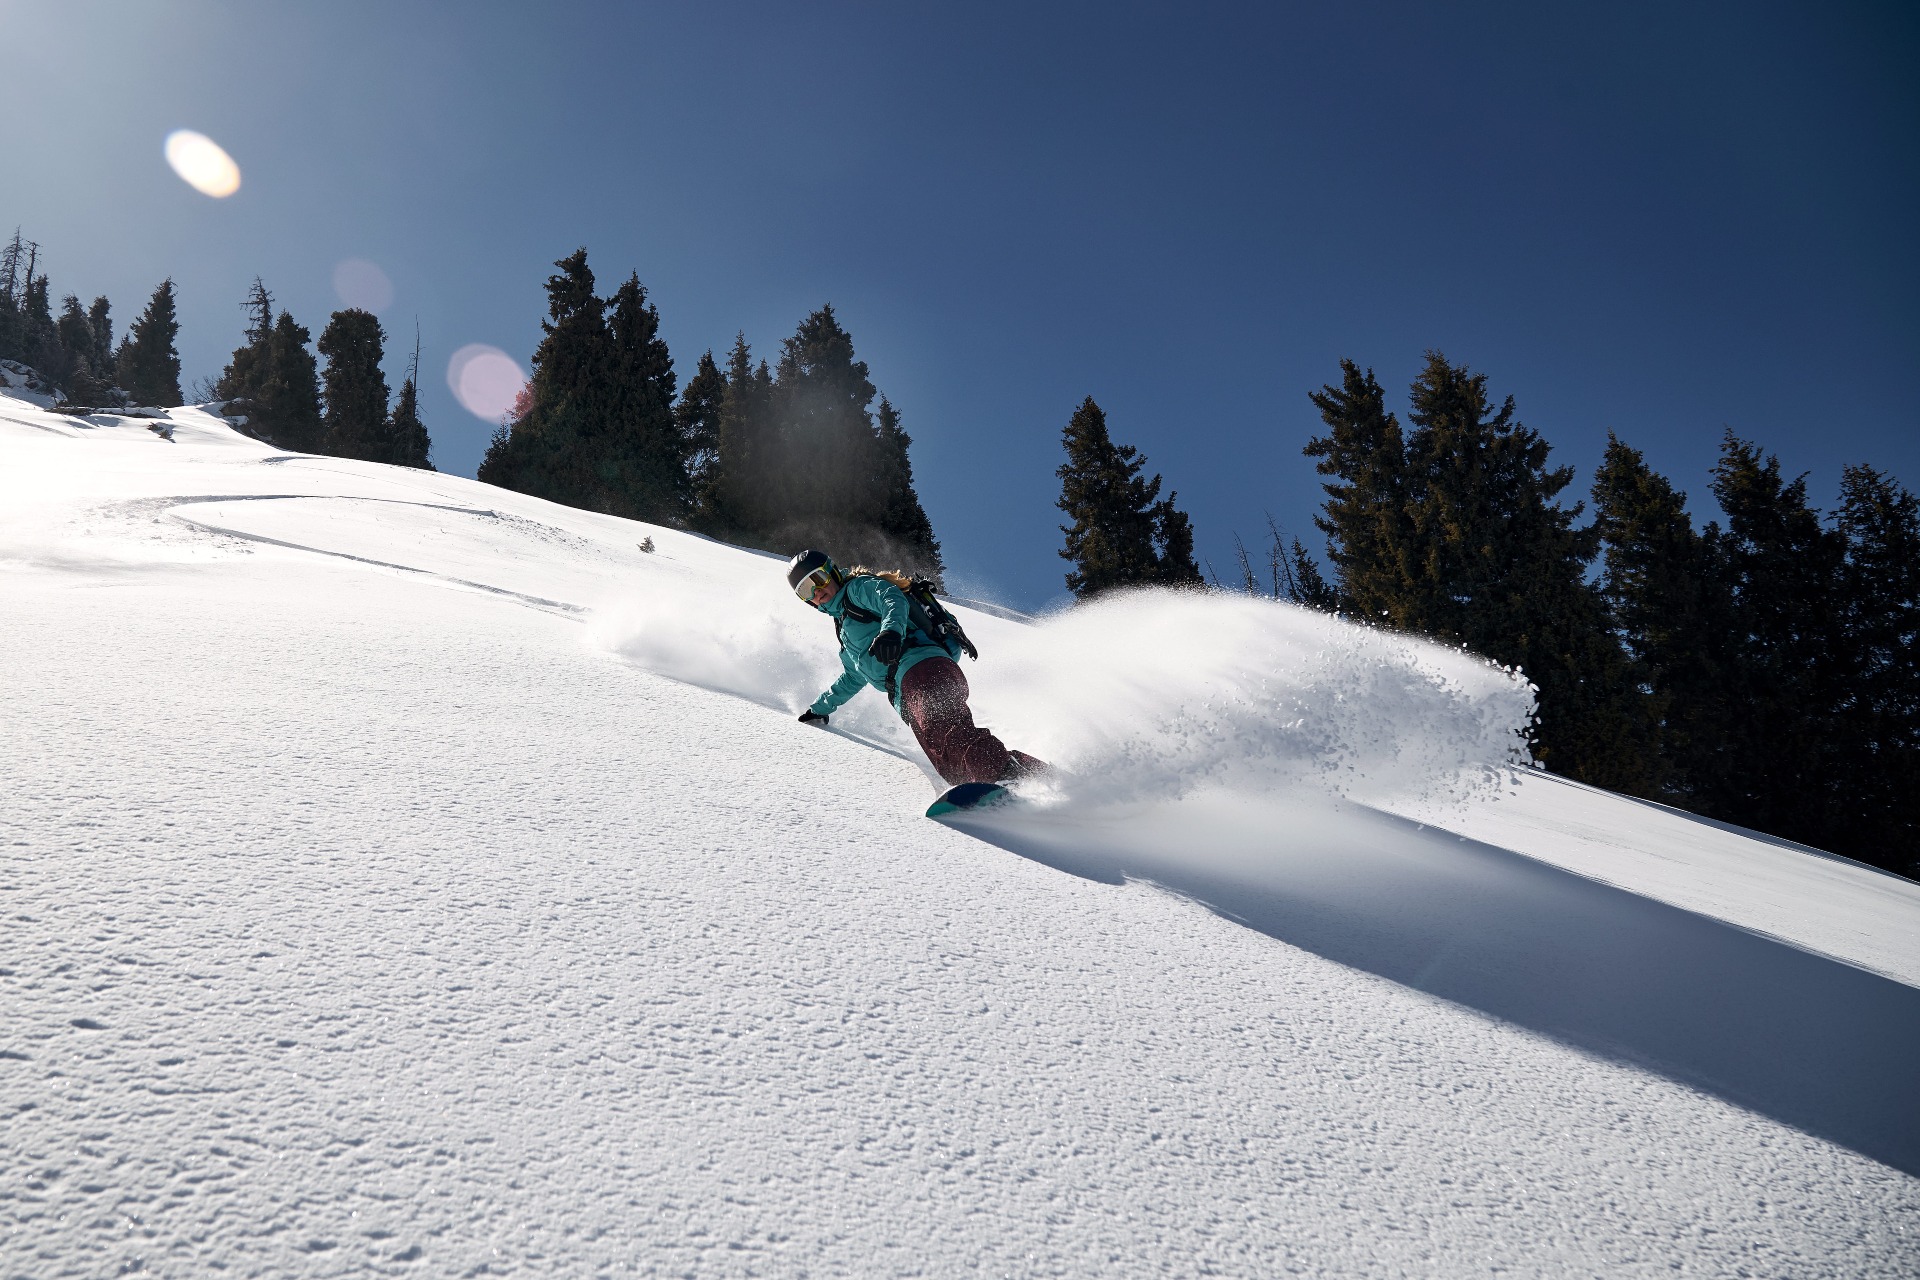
(403,876)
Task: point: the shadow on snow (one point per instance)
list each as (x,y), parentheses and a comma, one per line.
(1807,1040)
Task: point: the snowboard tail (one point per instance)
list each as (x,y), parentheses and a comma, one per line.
(970,797)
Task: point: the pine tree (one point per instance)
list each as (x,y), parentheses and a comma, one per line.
(40,337)
(1173,545)
(1503,570)
(100,321)
(822,481)
(742,472)
(12,256)
(272,378)
(1122,535)
(355,388)
(642,467)
(551,447)
(70,355)
(697,418)
(411,445)
(88,338)
(1782,566)
(1782,653)
(81,367)
(1669,605)
(1453,530)
(251,365)
(1302,582)
(1291,573)
(1878,719)
(25,321)
(287,399)
(151,374)
(1366,517)
(902,519)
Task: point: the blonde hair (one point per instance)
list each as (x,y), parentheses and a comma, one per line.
(894,576)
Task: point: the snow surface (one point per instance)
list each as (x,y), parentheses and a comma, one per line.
(403,876)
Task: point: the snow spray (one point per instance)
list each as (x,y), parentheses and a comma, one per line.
(1152,694)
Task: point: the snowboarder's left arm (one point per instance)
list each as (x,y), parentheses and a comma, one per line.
(895,613)
(877,595)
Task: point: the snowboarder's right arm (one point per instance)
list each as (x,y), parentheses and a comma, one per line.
(845,687)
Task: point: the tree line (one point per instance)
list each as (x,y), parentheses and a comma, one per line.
(273,387)
(781,457)
(346,410)
(1764,671)
(75,352)
(787,455)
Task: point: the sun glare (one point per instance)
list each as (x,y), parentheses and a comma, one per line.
(362,284)
(202,164)
(485,380)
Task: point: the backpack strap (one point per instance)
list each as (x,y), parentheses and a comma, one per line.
(941,625)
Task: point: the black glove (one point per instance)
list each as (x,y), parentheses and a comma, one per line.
(887,647)
(810,716)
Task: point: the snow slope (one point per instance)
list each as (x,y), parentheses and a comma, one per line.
(403,876)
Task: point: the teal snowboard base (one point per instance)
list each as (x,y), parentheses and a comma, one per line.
(970,797)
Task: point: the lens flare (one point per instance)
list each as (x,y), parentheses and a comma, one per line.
(362,284)
(202,164)
(485,380)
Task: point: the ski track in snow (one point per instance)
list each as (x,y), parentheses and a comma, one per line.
(356,921)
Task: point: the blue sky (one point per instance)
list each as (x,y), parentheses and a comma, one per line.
(1664,220)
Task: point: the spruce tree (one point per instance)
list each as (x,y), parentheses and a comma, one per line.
(1301,580)
(287,399)
(1878,719)
(1781,565)
(697,417)
(72,358)
(100,321)
(1121,535)
(1503,570)
(1173,545)
(1669,605)
(1291,573)
(251,365)
(1366,516)
(355,388)
(551,448)
(902,519)
(1453,530)
(742,472)
(89,335)
(40,337)
(26,324)
(822,479)
(14,255)
(152,371)
(407,434)
(642,466)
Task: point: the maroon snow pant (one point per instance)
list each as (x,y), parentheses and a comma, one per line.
(933,697)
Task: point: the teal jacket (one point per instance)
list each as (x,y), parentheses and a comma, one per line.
(878,598)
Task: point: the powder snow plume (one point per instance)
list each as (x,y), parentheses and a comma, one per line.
(1158,693)
(745,637)
(1147,694)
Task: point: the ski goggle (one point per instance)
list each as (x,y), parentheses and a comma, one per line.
(818,587)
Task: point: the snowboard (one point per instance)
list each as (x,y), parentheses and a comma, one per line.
(970,797)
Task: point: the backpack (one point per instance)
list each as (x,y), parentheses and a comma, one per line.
(925,614)
(932,617)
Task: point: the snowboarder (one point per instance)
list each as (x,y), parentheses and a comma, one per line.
(880,645)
